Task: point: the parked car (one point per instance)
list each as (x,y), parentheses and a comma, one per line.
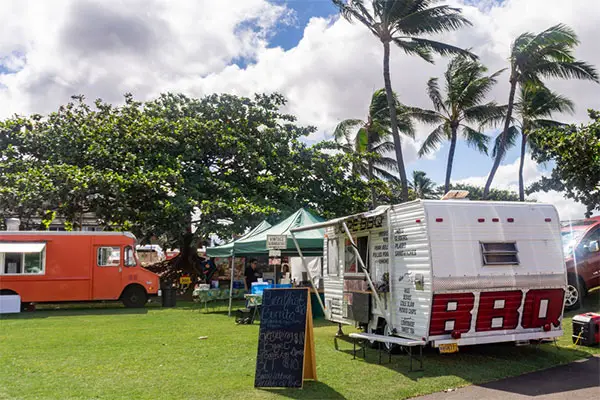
(581,244)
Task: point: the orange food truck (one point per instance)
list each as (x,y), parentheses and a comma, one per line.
(51,267)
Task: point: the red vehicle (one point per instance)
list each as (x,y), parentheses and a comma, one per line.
(74,266)
(581,244)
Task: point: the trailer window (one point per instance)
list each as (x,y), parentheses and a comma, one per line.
(109,256)
(333,257)
(500,253)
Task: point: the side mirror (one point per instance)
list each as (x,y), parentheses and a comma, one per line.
(593,247)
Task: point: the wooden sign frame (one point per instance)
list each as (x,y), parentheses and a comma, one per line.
(309,366)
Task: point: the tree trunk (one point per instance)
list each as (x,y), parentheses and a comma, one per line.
(521,164)
(500,153)
(394,119)
(450,159)
(370,170)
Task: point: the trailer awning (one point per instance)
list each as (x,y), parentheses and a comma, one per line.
(22,247)
(373,213)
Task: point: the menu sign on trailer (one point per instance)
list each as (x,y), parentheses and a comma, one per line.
(286,347)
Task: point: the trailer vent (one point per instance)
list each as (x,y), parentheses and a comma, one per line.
(500,253)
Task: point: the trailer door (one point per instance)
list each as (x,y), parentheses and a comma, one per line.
(107,272)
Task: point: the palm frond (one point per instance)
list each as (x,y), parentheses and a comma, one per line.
(568,70)
(344,129)
(475,139)
(425,116)
(487,112)
(440,48)
(433,140)
(382,173)
(414,49)
(387,163)
(361,141)
(433,91)
(355,9)
(511,140)
(384,147)
(431,21)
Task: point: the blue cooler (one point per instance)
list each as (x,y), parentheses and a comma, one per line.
(258,287)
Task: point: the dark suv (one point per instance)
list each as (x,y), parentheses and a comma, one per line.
(581,244)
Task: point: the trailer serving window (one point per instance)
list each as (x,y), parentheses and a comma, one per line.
(500,253)
(351,263)
(22,258)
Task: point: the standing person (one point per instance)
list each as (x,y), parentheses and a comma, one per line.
(250,274)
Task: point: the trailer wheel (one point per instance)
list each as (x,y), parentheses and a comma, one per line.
(134,297)
(575,291)
(387,331)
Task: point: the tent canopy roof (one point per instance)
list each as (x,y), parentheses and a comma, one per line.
(311,242)
(226,250)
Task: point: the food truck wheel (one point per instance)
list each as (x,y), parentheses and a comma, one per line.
(387,331)
(134,297)
(575,291)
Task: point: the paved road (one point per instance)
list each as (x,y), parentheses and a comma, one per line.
(576,381)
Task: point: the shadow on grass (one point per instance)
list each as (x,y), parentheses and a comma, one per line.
(74,312)
(310,390)
(564,378)
(475,364)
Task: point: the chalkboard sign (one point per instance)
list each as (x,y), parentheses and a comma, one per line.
(286,347)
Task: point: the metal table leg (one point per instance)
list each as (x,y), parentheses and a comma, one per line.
(354,352)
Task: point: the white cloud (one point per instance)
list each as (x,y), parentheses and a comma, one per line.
(507,178)
(102,49)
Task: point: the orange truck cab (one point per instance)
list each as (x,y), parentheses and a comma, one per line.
(51,267)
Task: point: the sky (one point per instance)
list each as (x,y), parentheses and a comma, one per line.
(326,67)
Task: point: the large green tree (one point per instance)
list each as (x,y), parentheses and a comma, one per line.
(575,152)
(176,168)
(533,110)
(403,23)
(462,105)
(548,54)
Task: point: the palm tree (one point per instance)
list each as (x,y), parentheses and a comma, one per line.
(545,55)
(466,88)
(370,138)
(403,22)
(423,187)
(535,106)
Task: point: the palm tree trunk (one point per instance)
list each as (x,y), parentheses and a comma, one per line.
(394,119)
(521,164)
(502,145)
(370,169)
(450,159)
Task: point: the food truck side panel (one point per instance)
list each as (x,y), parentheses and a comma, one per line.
(494,297)
(411,271)
(67,270)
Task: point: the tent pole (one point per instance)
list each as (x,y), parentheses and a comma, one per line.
(231,284)
(307,271)
(365,271)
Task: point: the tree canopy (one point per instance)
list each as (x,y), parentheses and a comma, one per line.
(575,153)
(173,165)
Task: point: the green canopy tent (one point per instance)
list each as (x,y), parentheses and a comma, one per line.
(254,243)
(226,250)
(310,242)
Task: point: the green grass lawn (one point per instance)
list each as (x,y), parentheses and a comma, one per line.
(108,352)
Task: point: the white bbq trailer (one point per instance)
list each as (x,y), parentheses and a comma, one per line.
(447,272)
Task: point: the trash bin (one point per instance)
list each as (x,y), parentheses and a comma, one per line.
(169,297)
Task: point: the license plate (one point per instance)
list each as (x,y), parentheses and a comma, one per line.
(448,348)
